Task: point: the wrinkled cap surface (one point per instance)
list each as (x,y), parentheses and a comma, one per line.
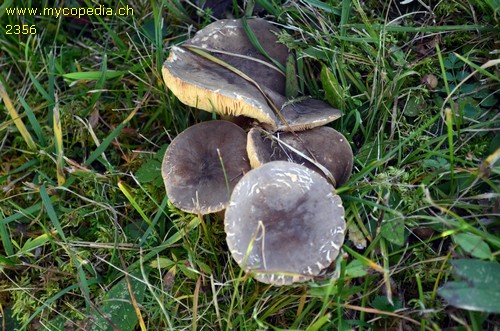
(284,223)
(326,146)
(197,163)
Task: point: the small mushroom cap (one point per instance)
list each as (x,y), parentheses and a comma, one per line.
(307,114)
(284,223)
(325,145)
(198,162)
(301,115)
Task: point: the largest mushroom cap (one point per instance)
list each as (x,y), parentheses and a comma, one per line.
(284,223)
(201,83)
(203,164)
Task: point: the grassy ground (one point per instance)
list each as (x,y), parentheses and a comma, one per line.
(85,120)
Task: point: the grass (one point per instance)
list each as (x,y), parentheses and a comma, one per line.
(88,235)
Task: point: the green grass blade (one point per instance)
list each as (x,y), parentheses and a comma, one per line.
(6,238)
(22,212)
(320,323)
(99,86)
(327,7)
(130,198)
(270,6)
(100,76)
(20,169)
(449,125)
(35,125)
(157,217)
(481,69)
(423,29)
(83,281)
(344,19)
(4,6)
(49,209)
(109,139)
(51,74)
(40,88)
(255,42)
(158,22)
(445,79)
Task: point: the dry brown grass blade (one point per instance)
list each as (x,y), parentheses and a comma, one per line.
(16,118)
(58,136)
(381,312)
(195,304)
(137,310)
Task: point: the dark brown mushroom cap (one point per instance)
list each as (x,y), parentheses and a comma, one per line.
(200,83)
(198,162)
(284,223)
(204,84)
(325,145)
(230,37)
(307,114)
(301,115)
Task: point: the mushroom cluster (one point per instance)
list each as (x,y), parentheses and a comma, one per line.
(275,179)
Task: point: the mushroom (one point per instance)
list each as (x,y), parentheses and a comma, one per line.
(322,149)
(228,41)
(284,223)
(202,83)
(203,164)
(260,149)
